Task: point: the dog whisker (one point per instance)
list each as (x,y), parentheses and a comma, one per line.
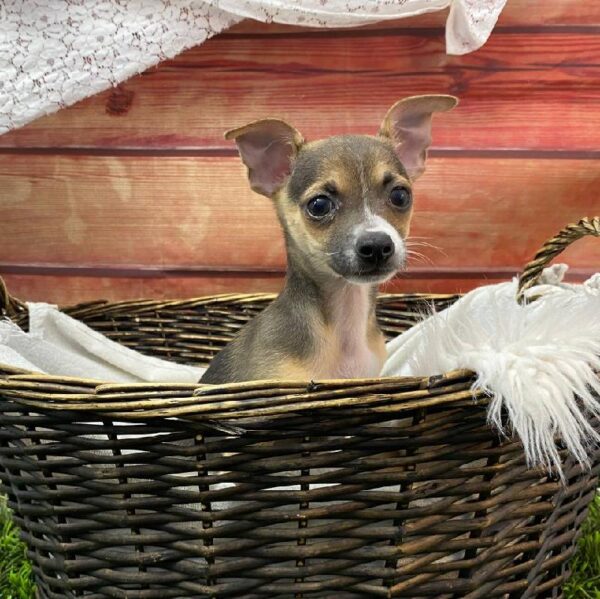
(410,243)
(420,258)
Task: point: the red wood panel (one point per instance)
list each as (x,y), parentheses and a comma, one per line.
(72,289)
(538,91)
(68,290)
(83,210)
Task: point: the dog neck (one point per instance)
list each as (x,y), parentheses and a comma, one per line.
(347,342)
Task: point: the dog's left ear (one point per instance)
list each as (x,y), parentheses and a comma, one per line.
(408,125)
(268,148)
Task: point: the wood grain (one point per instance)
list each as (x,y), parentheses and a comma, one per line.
(71,289)
(193,212)
(521,90)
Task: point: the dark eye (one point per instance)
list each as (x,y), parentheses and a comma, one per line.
(319,207)
(400,197)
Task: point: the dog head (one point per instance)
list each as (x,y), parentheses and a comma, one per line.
(345,203)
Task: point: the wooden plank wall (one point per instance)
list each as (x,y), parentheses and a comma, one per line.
(134,192)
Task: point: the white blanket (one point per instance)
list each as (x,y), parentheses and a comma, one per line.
(60,345)
(539,361)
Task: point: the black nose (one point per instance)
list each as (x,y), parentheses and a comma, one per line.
(375,248)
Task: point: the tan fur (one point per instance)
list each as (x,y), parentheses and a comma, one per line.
(288,369)
(347,348)
(351,344)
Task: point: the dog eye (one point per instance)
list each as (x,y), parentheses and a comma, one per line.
(401,198)
(319,207)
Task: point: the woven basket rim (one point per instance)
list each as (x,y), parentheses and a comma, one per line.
(196,401)
(392,395)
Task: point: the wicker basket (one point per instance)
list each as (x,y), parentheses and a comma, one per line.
(360,488)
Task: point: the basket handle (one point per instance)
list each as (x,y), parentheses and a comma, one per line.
(553,247)
(9,306)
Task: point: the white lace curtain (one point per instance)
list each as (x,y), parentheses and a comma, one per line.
(54,53)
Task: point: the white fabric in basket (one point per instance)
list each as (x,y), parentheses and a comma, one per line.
(538,361)
(60,345)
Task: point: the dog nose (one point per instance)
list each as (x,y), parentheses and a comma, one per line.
(375,248)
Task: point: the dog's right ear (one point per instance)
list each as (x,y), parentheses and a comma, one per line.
(268,148)
(408,125)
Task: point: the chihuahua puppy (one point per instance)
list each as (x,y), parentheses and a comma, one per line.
(345,205)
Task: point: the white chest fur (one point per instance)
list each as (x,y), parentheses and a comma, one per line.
(346,351)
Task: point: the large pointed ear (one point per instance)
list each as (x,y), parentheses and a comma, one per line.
(408,125)
(268,148)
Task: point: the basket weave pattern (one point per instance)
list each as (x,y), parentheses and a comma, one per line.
(363,488)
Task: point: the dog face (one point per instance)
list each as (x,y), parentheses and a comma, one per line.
(347,207)
(345,203)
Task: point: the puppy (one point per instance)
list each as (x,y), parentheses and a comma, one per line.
(345,205)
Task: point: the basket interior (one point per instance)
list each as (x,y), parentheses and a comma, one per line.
(193,332)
